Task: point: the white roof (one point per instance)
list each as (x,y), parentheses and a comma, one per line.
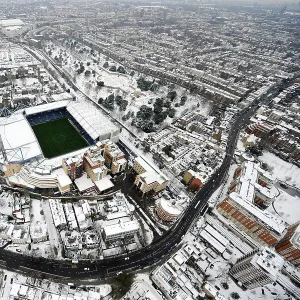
(275,223)
(169,208)
(104,184)
(18,138)
(151,169)
(270,261)
(94,122)
(83,183)
(121,227)
(11,22)
(63,180)
(215,243)
(45,107)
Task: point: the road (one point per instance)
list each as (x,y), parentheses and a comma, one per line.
(146,256)
(149,255)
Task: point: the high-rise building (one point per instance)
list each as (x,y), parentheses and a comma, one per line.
(289,245)
(73,166)
(257,268)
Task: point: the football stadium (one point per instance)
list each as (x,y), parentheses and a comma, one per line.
(51,130)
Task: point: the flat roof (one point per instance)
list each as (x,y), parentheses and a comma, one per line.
(121,227)
(104,184)
(45,107)
(276,223)
(170,208)
(18,138)
(83,183)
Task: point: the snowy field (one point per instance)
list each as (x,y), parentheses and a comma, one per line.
(281,169)
(285,205)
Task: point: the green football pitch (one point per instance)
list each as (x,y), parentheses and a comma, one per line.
(58,137)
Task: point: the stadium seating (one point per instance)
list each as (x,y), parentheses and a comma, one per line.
(52,115)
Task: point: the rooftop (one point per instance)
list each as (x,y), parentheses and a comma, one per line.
(275,223)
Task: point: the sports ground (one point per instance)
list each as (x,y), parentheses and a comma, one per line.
(58,137)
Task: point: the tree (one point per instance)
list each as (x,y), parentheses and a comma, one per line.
(121,70)
(121,285)
(235,295)
(183,100)
(157,109)
(143,84)
(172,95)
(41,212)
(158,118)
(113,69)
(81,69)
(145,112)
(225,285)
(100,83)
(123,105)
(109,102)
(105,65)
(118,100)
(159,102)
(172,113)
(100,100)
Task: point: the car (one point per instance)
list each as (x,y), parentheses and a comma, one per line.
(126,258)
(86,269)
(18,250)
(5,276)
(118,273)
(11,280)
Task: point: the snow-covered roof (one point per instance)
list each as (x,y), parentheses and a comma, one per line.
(94,122)
(83,183)
(214,242)
(11,22)
(169,208)
(269,261)
(121,228)
(18,138)
(104,184)
(45,107)
(275,223)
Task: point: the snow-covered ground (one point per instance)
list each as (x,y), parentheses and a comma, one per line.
(285,206)
(43,289)
(6,202)
(281,169)
(142,288)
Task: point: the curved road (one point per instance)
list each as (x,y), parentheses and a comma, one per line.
(146,256)
(150,254)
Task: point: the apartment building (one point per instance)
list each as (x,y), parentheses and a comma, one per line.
(58,214)
(289,245)
(254,184)
(73,167)
(148,178)
(39,232)
(114,157)
(259,225)
(257,268)
(93,164)
(121,230)
(195,180)
(167,210)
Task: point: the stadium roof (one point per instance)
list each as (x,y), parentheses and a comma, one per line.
(18,139)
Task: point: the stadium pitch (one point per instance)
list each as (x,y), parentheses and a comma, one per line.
(58,137)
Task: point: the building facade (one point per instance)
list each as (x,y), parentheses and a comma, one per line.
(289,245)
(259,225)
(257,268)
